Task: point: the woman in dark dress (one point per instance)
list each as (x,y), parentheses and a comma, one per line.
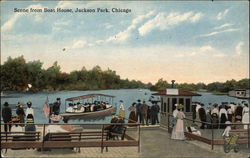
(238,113)
(20,113)
(215,120)
(223,120)
(132,115)
(209,118)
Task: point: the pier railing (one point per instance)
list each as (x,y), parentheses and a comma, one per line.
(212,133)
(79,135)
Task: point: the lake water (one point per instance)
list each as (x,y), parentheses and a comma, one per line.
(127,95)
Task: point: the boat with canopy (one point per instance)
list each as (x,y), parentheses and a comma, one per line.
(88,106)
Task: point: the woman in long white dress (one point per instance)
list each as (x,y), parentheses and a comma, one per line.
(245,114)
(178,129)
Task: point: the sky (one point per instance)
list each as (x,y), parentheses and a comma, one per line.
(188,42)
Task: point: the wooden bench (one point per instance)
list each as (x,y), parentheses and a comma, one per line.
(88,139)
(20,140)
(91,138)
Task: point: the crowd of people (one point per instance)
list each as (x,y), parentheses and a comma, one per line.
(88,107)
(19,119)
(218,115)
(213,116)
(143,113)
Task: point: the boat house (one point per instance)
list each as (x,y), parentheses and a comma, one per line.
(240,93)
(172,96)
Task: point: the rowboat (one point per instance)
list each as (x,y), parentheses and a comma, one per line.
(90,98)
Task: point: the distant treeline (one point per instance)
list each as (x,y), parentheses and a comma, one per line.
(16,74)
(211,87)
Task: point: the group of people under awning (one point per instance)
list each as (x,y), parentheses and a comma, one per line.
(219,114)
(143,113)
(88,107)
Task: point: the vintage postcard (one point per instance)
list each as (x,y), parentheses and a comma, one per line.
(125,79)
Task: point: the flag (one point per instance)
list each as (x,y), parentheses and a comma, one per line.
(46,110)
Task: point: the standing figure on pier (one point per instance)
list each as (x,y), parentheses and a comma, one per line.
(122,110)
(138,111)
(178,129)
(154,112)
(223,117)
(215,110)
(232,106)
(132,118)
(208,117)
(198,106)
(158,110)
(56,106)
(6,115)
(144,110)
(238,112)
(149,118)
(20,113)
(29,111)
(193,111)
(215,115)
(245,114)
(202,116)
(230,114)
(227,130)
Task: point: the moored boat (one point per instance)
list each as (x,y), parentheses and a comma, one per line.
(89,106)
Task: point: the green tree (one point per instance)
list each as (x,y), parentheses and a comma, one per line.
(52,73)
(34,69)
(14,74)
(160,85)
(243,84)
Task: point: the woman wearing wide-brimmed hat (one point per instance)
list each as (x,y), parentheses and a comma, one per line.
(20,112)
(29,111)
(178,129)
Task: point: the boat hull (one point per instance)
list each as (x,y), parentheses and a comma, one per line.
(106,112)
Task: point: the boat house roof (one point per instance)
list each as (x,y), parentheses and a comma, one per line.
(180,93)
(88,96)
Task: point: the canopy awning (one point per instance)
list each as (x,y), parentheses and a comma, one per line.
(180,93)
(88,96)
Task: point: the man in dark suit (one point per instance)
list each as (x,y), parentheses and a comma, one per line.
(144,110)
(138,111)
(202,115)
(7,115)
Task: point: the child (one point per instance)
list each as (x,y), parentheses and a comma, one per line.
(227,130)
